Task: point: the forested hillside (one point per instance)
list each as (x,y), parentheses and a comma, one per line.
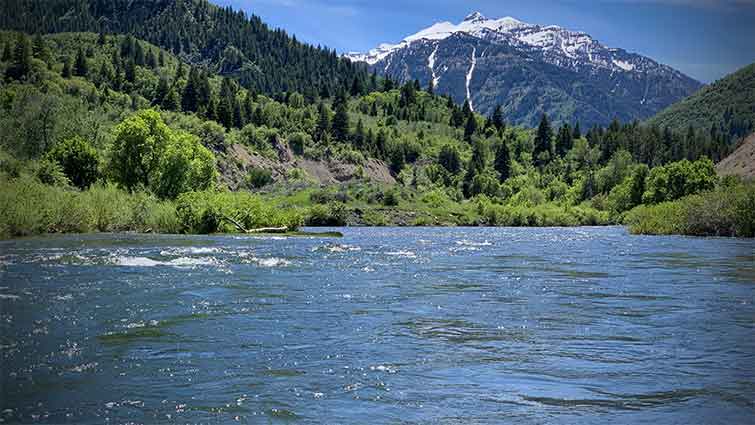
(724,109)
(85,112)
(224,41)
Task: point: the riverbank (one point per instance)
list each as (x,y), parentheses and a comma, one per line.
(28,207)
(725,211)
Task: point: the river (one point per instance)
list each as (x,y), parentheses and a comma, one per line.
(384,325)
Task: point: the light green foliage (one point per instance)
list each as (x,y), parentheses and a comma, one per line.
(332,214)
(28,207)
(260,139)
(146,153)
(726,211)
(185,166)
(209,212)
(138,148)
(679,179)
(615,171)
(51,172)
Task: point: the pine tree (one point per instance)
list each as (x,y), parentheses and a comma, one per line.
(238,114)
(128,47)
(151,59)
(180,72)
(502,162)
(163,87)
(449,158)
(497,118)
(115,59)
(39,48)
(248,108)
(340,124)
(204,91)
(171,102)
(139,54)
(387,84)
(80,67)
(323,122)
(189,99)
(161,59)
(130,71)
(577,133)
(475,166)
(542,152)
(67,72)
(359,135)
(470,128)
(101,39)
(564,140)
(6,52)
(466,109)
(356,87)
(106,73)
(431,87)
(381,144)
(21,62)
(225,112)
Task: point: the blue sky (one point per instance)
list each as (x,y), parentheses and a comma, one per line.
(705,39)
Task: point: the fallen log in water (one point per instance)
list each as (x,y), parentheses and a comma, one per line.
(282,229)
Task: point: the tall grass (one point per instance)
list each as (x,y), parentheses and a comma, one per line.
(28,207)
(725,211)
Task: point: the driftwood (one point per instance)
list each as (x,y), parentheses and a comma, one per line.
(282,229)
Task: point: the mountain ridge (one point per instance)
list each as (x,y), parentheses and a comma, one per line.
(632,86)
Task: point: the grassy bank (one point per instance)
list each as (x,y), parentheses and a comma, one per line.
(725,211)
(28,207)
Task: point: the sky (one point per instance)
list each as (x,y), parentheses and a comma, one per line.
(705,39)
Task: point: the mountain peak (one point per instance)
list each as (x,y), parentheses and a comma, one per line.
(475,17)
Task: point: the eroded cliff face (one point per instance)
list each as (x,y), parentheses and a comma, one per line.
(236,160)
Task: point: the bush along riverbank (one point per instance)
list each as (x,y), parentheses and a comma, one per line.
(729,210)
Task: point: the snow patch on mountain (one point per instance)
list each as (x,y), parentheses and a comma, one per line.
(469,76)
(431,65)
(561,47)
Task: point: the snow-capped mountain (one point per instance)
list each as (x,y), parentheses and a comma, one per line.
(531,69)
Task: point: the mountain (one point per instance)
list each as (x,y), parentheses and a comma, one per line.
(726,107)
(530,70)
(220,39)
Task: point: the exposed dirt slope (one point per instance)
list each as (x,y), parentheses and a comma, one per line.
(741,162)
(235,161)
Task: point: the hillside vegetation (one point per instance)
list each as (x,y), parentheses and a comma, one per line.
(222,40)
(89,116)
(724,109)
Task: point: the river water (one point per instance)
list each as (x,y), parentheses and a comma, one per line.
(384,325)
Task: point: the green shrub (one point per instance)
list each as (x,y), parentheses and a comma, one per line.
(50,172)
(333,214)
(391,197)
(213,212)
(374,218)
(258,177)
(727,211)
(78,159)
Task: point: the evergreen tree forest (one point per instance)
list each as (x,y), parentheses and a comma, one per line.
(224,41)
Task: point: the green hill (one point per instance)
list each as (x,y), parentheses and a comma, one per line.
(725,108)
(225,41)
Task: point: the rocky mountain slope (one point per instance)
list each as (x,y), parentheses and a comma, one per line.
(531,70)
